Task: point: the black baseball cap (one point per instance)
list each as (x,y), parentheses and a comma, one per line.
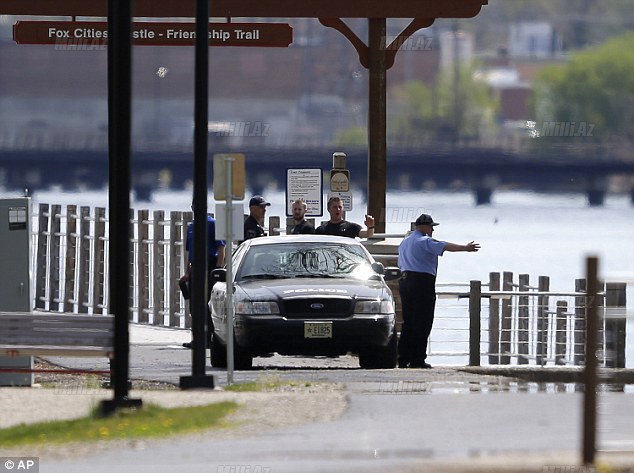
(424,219)
(258,200)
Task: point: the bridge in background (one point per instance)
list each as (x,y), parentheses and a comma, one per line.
(478,169)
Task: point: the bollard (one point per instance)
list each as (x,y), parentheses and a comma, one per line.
(142,266)
(99,263)
(522,321)
(542,321)
(158,258)
(475,306)
(176,269)
(507,311)
(55,244)
(71,252)
(42,252)
(590,371)
(615,298)
(274,226)
(494,320)
(83,254)
(560,334)
(579,325)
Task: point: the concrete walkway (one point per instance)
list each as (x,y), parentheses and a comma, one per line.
(397,420)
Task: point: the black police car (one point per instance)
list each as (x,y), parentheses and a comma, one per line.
(305,295)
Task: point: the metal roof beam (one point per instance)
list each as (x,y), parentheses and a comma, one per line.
(255,8)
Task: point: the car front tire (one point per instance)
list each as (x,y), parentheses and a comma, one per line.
(242,359)
(217,353)
(380,357)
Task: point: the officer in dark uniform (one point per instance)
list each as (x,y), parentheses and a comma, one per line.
(252,224)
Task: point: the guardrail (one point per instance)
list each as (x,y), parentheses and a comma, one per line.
(533,324)
(504,321)
(71,274)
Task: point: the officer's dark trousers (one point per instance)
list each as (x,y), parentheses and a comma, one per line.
(418,299)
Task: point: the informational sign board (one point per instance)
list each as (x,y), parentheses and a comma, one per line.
(238,175)
(305,184)
(346,198)
(153,33)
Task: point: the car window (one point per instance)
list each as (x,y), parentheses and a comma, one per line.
(306,260)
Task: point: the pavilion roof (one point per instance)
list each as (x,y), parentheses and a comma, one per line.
(256,8)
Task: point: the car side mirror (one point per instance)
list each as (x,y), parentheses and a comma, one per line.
(378,268)
(218,275)
(392,273)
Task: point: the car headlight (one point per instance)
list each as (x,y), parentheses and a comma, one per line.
(257,308)
(374,307)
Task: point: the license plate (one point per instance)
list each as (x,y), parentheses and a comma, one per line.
(317,329)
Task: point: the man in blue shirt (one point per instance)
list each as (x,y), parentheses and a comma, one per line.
(215,259)
(418,260)
(215,248)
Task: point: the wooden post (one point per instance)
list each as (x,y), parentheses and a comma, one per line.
(542,321)
(274,226)
(475,306)
(580,323)
(602,354)
(377,120)
(70,289)
(83,280)
(615,301)
(131,258)
(507,322)
(522,321)
(590,371)
(182,256)
(175,271)
(494,320)
(560,337)
(42,255)
(99,263)
(158,267)
(54,294)
(142,266)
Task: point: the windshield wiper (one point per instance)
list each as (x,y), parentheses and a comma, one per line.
(264,276)
(317,275)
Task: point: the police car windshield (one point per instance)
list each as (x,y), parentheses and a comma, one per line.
(327,260)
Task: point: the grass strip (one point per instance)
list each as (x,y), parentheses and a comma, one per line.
(266,385)
(148,421)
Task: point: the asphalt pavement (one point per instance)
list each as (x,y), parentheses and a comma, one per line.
(441,419)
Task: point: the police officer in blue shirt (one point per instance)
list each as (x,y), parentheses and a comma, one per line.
(215,259)
(418,260)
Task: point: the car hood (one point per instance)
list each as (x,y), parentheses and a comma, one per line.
(291,288)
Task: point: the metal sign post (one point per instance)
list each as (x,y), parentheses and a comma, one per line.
(229,184)
(229,266)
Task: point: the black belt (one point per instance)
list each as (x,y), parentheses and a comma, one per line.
(416,274)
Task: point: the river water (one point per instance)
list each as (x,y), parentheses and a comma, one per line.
(520,231)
